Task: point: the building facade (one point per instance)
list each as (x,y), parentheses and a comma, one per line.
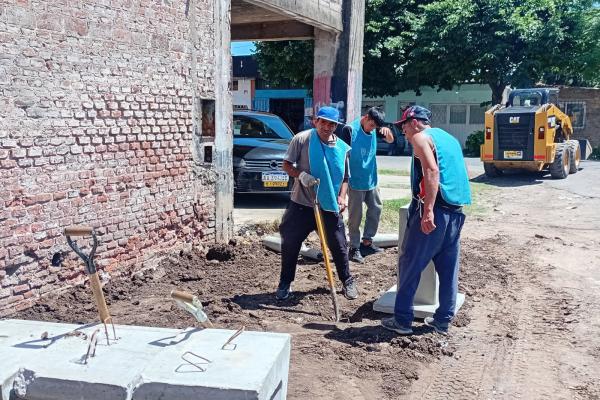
(458,111)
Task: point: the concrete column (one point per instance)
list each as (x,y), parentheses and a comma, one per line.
(223,123)
(339,61)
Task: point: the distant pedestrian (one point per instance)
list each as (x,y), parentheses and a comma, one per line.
(316,154)
(361,134)
(440,187)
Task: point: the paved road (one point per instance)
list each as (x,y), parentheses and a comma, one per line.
(257,208)
(403,162)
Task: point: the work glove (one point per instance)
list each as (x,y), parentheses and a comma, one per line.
(307,179)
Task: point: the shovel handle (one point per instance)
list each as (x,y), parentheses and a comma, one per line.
(182,296)
(78,230)
(99,298)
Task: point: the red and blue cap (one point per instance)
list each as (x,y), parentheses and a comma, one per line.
(414,112)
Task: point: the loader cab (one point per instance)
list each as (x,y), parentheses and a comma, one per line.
(532,98)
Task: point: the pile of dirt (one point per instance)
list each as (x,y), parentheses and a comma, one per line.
(236,282)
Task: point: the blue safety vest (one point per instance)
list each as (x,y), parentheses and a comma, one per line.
(454,180)
(328,164)
(363,163)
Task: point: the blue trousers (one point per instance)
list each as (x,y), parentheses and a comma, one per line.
(418,249)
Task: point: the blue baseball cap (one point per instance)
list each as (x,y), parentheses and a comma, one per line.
(414,112)
(329,113)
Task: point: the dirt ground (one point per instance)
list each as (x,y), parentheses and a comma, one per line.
(530,327)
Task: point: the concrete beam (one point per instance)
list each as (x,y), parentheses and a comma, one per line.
(322,14)
(272,30)
(223,154)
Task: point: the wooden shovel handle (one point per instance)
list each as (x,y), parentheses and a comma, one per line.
(99,298)
(182,296)
(78,230)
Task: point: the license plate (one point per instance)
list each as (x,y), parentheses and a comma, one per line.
(513,155)
(275,179)
(275,184)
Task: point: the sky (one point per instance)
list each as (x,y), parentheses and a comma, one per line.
(242,48)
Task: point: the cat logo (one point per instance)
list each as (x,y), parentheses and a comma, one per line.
(514,120)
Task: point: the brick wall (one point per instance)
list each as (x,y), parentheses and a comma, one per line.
(100,125)
(591,97)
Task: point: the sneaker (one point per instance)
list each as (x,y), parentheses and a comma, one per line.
(356,256)
(283,291)
(392,325)
(350,290)
(367,250)
(439,327)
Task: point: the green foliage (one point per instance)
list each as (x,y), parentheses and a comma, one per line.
(409,44)
(595,155)
(473,143)
(498,42)
(583,63)
(286,64)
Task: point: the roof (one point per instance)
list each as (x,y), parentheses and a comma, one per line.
(244,67)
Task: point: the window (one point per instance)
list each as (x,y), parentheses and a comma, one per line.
(476,115)
(438,114)
(458,114)
(234,85)
(576,111)
(260,126)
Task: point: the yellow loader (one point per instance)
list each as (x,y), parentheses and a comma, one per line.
(530,132)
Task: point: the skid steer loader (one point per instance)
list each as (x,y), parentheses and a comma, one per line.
(530,132)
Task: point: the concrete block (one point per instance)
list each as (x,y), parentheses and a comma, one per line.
(385,240)
(385,304)
(255,368)
(143,363)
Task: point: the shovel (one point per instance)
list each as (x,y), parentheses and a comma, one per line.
(191,304)
(325,250)
(90,270)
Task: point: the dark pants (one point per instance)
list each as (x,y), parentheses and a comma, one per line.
(297,223)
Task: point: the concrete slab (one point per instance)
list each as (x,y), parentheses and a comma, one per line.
(273,242)
(53,368)
(386,302)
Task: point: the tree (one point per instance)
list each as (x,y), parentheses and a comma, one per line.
(390,38)
(498,42)
(583,70)
(286,63)
(442,43)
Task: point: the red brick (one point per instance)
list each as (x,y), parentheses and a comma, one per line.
(20,289)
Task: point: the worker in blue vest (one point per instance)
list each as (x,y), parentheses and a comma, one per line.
(361,134)
(440,187)
(316,154)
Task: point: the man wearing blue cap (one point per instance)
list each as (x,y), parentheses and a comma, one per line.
(361,134)
(316,154)
(440,187)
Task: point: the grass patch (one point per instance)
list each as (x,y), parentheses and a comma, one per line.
(393,185)
(479,191)
(393,172)
(389,215)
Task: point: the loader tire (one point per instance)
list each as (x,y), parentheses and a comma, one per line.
(575,156)
(560,168)
(491,171)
